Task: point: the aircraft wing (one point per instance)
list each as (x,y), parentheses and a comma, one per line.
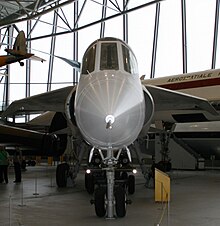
(38,143)
(50,101)
(34,142)
(72,63)
(37,58)
(168,100)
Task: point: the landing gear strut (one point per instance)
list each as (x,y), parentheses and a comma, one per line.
(111,183)
(110,175)
(164,164)
(70,168)
(21,64)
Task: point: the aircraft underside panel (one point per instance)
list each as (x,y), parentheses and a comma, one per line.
(33,143)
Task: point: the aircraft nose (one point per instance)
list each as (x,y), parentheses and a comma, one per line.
(110,112)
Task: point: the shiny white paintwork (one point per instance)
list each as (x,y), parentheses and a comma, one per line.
(109,105)
(211,93)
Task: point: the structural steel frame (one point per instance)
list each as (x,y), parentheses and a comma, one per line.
(40,7)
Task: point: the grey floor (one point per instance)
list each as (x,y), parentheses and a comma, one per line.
(195,200)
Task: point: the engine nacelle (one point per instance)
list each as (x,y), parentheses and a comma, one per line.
(58,123)
(149,111)
(31,142)
(45,145)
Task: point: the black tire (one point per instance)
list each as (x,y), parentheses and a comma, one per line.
(120,202)
(62,174)
(131,184)
(117,175)
(161,166)
(33,163)
(100,207)
(169,166)
(124,175)
(89,183)
(164,166)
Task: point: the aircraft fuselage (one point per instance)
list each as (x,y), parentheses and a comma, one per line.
(204,84)
(109,104)
(9,59)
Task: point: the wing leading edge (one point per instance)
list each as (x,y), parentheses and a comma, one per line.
(51,101)
(35,142)
(166,100)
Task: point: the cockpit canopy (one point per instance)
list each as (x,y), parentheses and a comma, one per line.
(109,54)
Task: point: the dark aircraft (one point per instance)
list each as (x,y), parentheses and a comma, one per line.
(18,53)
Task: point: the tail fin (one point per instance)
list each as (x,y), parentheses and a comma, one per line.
(20,43)
(142,77)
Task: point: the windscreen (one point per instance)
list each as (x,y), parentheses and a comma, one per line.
(89,60)
(130,62)
(109,57)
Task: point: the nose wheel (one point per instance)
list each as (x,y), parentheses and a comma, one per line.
(102,206)
(110,199)
(99,202)
(120,201)
(111,183)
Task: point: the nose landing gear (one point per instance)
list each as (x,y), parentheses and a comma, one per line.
(111,183)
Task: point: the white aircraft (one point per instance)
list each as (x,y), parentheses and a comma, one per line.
(202,137)
(110,109)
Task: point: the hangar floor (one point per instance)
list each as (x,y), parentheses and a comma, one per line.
(38,202)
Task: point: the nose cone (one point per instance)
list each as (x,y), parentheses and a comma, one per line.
(110,111)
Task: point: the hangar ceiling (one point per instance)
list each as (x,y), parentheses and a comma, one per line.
(13,11)
(30,12)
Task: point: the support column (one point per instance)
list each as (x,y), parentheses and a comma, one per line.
(6,94)
(28,67)
(52,50)
(76,41)
(215,40)
(125,22)
(184,40)
(104,7)
(154,51)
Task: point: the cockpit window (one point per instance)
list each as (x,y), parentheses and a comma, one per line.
(89,60)
(130,63)
(109,57)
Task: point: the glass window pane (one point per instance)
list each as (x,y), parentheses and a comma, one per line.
(130,63)
(200,28)
(89,60)
(109,57)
